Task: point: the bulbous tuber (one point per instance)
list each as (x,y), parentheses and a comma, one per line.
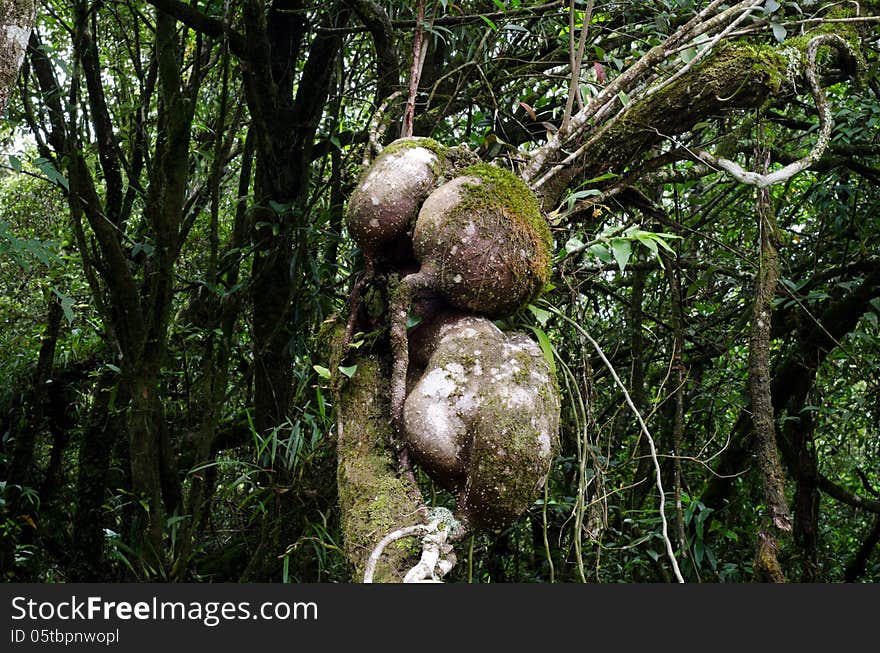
(384,205)
(483,243)
(482,412)
(483,419)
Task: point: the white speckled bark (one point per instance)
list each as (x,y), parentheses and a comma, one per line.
(16,21)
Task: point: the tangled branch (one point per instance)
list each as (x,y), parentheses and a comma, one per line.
(438,557)
(826,124)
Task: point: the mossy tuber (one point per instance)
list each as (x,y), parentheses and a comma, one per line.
(483,243)
(386,201)
(483,419)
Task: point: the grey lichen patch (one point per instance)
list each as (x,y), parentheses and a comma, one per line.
(16,21)
(483,420)
(387,199)
(373,498)
(483,240)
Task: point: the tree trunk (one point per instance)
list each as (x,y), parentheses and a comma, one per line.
(95,449)
(375,500)
(16,21)
(776,519)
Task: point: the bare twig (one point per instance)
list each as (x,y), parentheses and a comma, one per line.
(377,129)
(577,59)
(415,72)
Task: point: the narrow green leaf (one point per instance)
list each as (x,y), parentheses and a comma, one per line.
(605,177)
(490,23)
(15,163)
(546,347)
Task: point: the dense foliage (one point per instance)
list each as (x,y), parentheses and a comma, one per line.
(175,271)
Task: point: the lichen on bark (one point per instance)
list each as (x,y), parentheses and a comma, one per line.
(16,21)
(483,420)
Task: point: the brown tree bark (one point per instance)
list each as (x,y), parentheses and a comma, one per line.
(776,519)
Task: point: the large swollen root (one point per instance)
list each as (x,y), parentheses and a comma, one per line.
(483,243)
(384,206)
(483,420)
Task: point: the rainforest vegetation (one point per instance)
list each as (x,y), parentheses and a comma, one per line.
(212,341)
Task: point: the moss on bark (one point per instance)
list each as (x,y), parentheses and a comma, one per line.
(375,500)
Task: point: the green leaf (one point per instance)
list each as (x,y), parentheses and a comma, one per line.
(770,6)
(648,242)
(490,23)
(66,304)
(280,209)
(601,252)
(622,249)
(323,372)
(779,31)
(540,314)
(688,55)
(710,558)
(546,347)
(413,319)
(146,248)
(51,173)
(112,367)
(624,98)
(574,243)
(15,163)
(348,371)
(574,197)
(605,177)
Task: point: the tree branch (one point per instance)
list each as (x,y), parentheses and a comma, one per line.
(200,22)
